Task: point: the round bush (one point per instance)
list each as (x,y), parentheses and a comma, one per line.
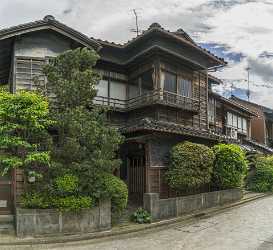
(117,190)
(190,167)
(230,166)
(67,184)
(262,178)
(72,203)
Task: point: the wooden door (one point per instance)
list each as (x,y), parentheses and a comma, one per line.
(136,179)
(6,201)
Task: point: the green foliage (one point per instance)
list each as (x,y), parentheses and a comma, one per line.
(24,141)
(72,203)
(117,190)
(141,216)
(35,200)
(72,79)
(262,179)
(68,203)
(230,166)
(67,184)
(191,166)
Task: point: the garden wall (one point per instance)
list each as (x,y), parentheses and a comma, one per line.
(174,207)
(38,222)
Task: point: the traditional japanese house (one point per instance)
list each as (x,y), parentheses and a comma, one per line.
(261,125)
(157,86)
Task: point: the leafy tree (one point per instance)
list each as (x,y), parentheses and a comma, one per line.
(85,145)
(262,178)
(230,166)
(24,140)
(191,166)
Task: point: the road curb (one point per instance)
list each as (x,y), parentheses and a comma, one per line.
(131,229)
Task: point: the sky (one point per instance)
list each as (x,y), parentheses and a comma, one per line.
(241,31)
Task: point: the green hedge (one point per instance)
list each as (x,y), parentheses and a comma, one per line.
(262,179)
(117,190)
(230,166)
(190,166)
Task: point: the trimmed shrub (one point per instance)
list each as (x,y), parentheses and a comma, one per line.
(141,216)
(191,166)
(230,166)
(262,179)
(117,190)
(37,200)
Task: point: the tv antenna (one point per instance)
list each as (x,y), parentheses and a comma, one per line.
(136,30)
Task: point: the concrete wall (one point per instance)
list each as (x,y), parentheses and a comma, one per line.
(173,207)
(38,222)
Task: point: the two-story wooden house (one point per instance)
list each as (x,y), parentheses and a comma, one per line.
(157,86)
(261,125)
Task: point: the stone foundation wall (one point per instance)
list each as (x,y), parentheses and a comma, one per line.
(39,222)
(174,207)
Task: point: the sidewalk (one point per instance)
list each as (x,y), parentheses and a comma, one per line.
(129,228)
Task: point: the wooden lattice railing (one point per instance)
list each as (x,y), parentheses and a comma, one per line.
(151,97)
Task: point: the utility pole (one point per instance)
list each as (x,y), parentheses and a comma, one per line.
(248,86)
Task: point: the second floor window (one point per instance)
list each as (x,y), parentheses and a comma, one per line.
(169,82)
(29,73)
(184,87)
(211,110)
(237,122)
(176,84)
(111,89)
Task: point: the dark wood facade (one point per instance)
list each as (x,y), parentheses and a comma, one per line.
(156,85)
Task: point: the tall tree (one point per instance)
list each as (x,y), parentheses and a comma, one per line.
(85,145)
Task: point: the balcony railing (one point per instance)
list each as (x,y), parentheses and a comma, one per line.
(149,98)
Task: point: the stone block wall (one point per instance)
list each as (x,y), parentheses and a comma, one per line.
(174,207)
(39,222)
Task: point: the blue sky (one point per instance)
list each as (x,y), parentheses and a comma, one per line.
(241,31)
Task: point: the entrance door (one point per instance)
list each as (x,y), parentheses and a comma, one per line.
(136,179)
(6,203)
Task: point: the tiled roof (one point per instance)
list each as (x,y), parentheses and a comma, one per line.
(233,103)
(180,35)
(169,127)
(47,22)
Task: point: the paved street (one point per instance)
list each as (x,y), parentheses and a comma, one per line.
(246,227)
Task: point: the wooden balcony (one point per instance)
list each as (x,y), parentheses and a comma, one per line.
(150,98)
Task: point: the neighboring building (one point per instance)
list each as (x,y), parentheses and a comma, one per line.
(157,86)
(261,125)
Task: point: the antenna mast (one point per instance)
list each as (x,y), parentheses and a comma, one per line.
(136,16)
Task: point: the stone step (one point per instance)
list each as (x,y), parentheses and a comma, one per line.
(7,218)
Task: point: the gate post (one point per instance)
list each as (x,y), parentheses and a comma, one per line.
(150,203)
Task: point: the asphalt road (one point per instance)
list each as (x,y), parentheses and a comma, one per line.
(246,227)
